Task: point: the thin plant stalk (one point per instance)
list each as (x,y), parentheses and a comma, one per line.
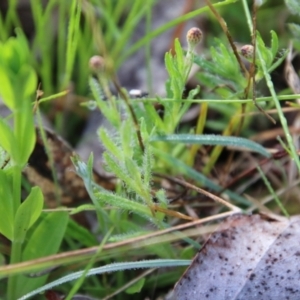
(234,122)
(199,130)
(270,85)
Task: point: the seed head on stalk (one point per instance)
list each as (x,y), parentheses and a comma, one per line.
(193,38)
(247,51)
(97,63)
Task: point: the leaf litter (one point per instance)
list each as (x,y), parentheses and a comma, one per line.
(248,257)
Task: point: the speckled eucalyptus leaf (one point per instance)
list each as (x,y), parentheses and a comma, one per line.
(249,257)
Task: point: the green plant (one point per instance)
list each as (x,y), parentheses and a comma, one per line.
(22,223)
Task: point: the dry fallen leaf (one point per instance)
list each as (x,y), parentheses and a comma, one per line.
(249,257)
(70,190)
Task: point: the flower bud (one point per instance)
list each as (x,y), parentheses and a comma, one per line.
(97,63)
(247,51)
(193,37)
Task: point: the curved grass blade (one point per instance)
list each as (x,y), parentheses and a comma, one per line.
(156,263)
(212,139)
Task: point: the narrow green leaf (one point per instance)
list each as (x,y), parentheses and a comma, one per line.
(147,166)
(191,173)
(293,6)
(127,133)
(265,52)
(133,171)
(179,57)
(85,172)
(158,263)
(109,144)
(211,139)
(83,207)
(194,92)
(123,203)
(136,287)
(169,63)
(110,114)
(80,234)
(152,116)
(274,43)
(295,30)
(279,61)
(120,172)
(272,192)
(73,36)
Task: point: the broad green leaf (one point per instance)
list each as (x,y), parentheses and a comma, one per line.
(27,213)
(6,89)
(25,133)
(7,139)
(6,204)
(35,202)
(30,81)
(212,139)
(45,239)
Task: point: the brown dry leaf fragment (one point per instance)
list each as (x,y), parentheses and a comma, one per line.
(250,257)
(71,189)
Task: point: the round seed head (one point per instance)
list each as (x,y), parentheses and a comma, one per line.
(247,51)
(97,63)
(193,37)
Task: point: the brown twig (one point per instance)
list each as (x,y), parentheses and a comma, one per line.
(278,155)
(202,191)
(252,67)
(133,243)
(130,108)
(228,35)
